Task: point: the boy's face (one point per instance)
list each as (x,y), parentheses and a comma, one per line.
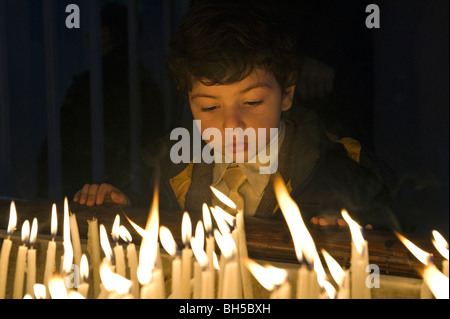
(255,102)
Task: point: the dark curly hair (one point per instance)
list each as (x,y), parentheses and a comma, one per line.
(223,42)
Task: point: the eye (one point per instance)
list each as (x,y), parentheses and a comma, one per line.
(208,109)
(254,103)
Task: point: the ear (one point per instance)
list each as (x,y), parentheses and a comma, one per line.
(288,97)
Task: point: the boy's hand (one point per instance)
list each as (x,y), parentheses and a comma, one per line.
(332,220)
(94,194)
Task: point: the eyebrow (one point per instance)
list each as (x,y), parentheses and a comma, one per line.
(251,87)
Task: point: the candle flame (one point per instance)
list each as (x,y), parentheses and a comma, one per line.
(303,242)
(200,234)
(199,253)
(25,232)
(420,254)
(215,261)
(68,250)
(75,295)
(167,241)
(223,198)
(57,288)
(54,224)
(336,271)
(268,276)
(436,281)
(112,281)
(225,243)
(104,242)
(34,231)
(115,228)
(125,234)
(221,223)
(355,230)
(40,291)
(230,219)
(329,289)
(84,268)
(186,229)
(12,218)
(440,243)
(207,219)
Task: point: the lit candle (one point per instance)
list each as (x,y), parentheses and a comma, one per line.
(83,289)
(231,272)
(57,288)
(424,257)
(31,260)
(67,260)
(94,253)
(118,249)
(75,236)
(132,260)
(114,285)
(6,249)
(51,249)
(340,276)
(359,260)
(186,257)
(40,291)
(271,278)
(170,246)
(205,278)
(436,281)
(106,247)
(442,246)
(21,262)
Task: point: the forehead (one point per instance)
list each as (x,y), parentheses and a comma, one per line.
(258,78)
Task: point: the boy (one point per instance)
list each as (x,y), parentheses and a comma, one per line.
(237,66)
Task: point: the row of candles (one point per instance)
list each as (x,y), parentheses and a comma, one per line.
(196,271)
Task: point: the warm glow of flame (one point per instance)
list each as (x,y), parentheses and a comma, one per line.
(112,281)
(125,234)
(303,242)
(440,243)
(57,288)
(34,231)
(84,268)
(199,253)
(68,250)
(186,229)
(40,291)
(54,225)
(25,232)
(221,223)
(115,228)
(223,198)
(329,289)
(225,243)
(104,242)
(12,218)
(167,241)
(200,234)
(75,295)
(420,254)
(436,281)
(207,219)
(230,219)
(216,261)
(355,230)
(268,276)
(335,269)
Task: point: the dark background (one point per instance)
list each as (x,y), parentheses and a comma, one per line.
(391,85)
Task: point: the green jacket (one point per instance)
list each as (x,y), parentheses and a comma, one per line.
(324,174)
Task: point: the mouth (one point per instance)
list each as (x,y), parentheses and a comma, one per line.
(237,147)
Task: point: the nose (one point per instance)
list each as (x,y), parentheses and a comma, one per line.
(233,118)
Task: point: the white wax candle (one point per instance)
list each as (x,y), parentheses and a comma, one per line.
(344,287)
(230,281)
(176,278)
(207,291)
(50,262)
(197,281)
(359,289)
(235,236)
(153,290)
(222,264)
(132,265)
(209,251)
(243,253)
(83,289)
(120,260)
(159,279)
(303,289)
(75,236)
(20,272)
(282,292)
(94,252)
(186,262)
(31,271)
(445,267)
(4,262)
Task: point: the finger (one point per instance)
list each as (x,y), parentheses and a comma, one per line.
(104,190)
(315,220)
(369,226)
(76,197)
(92,194)
(341,222)
(119,198)
(83,193)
